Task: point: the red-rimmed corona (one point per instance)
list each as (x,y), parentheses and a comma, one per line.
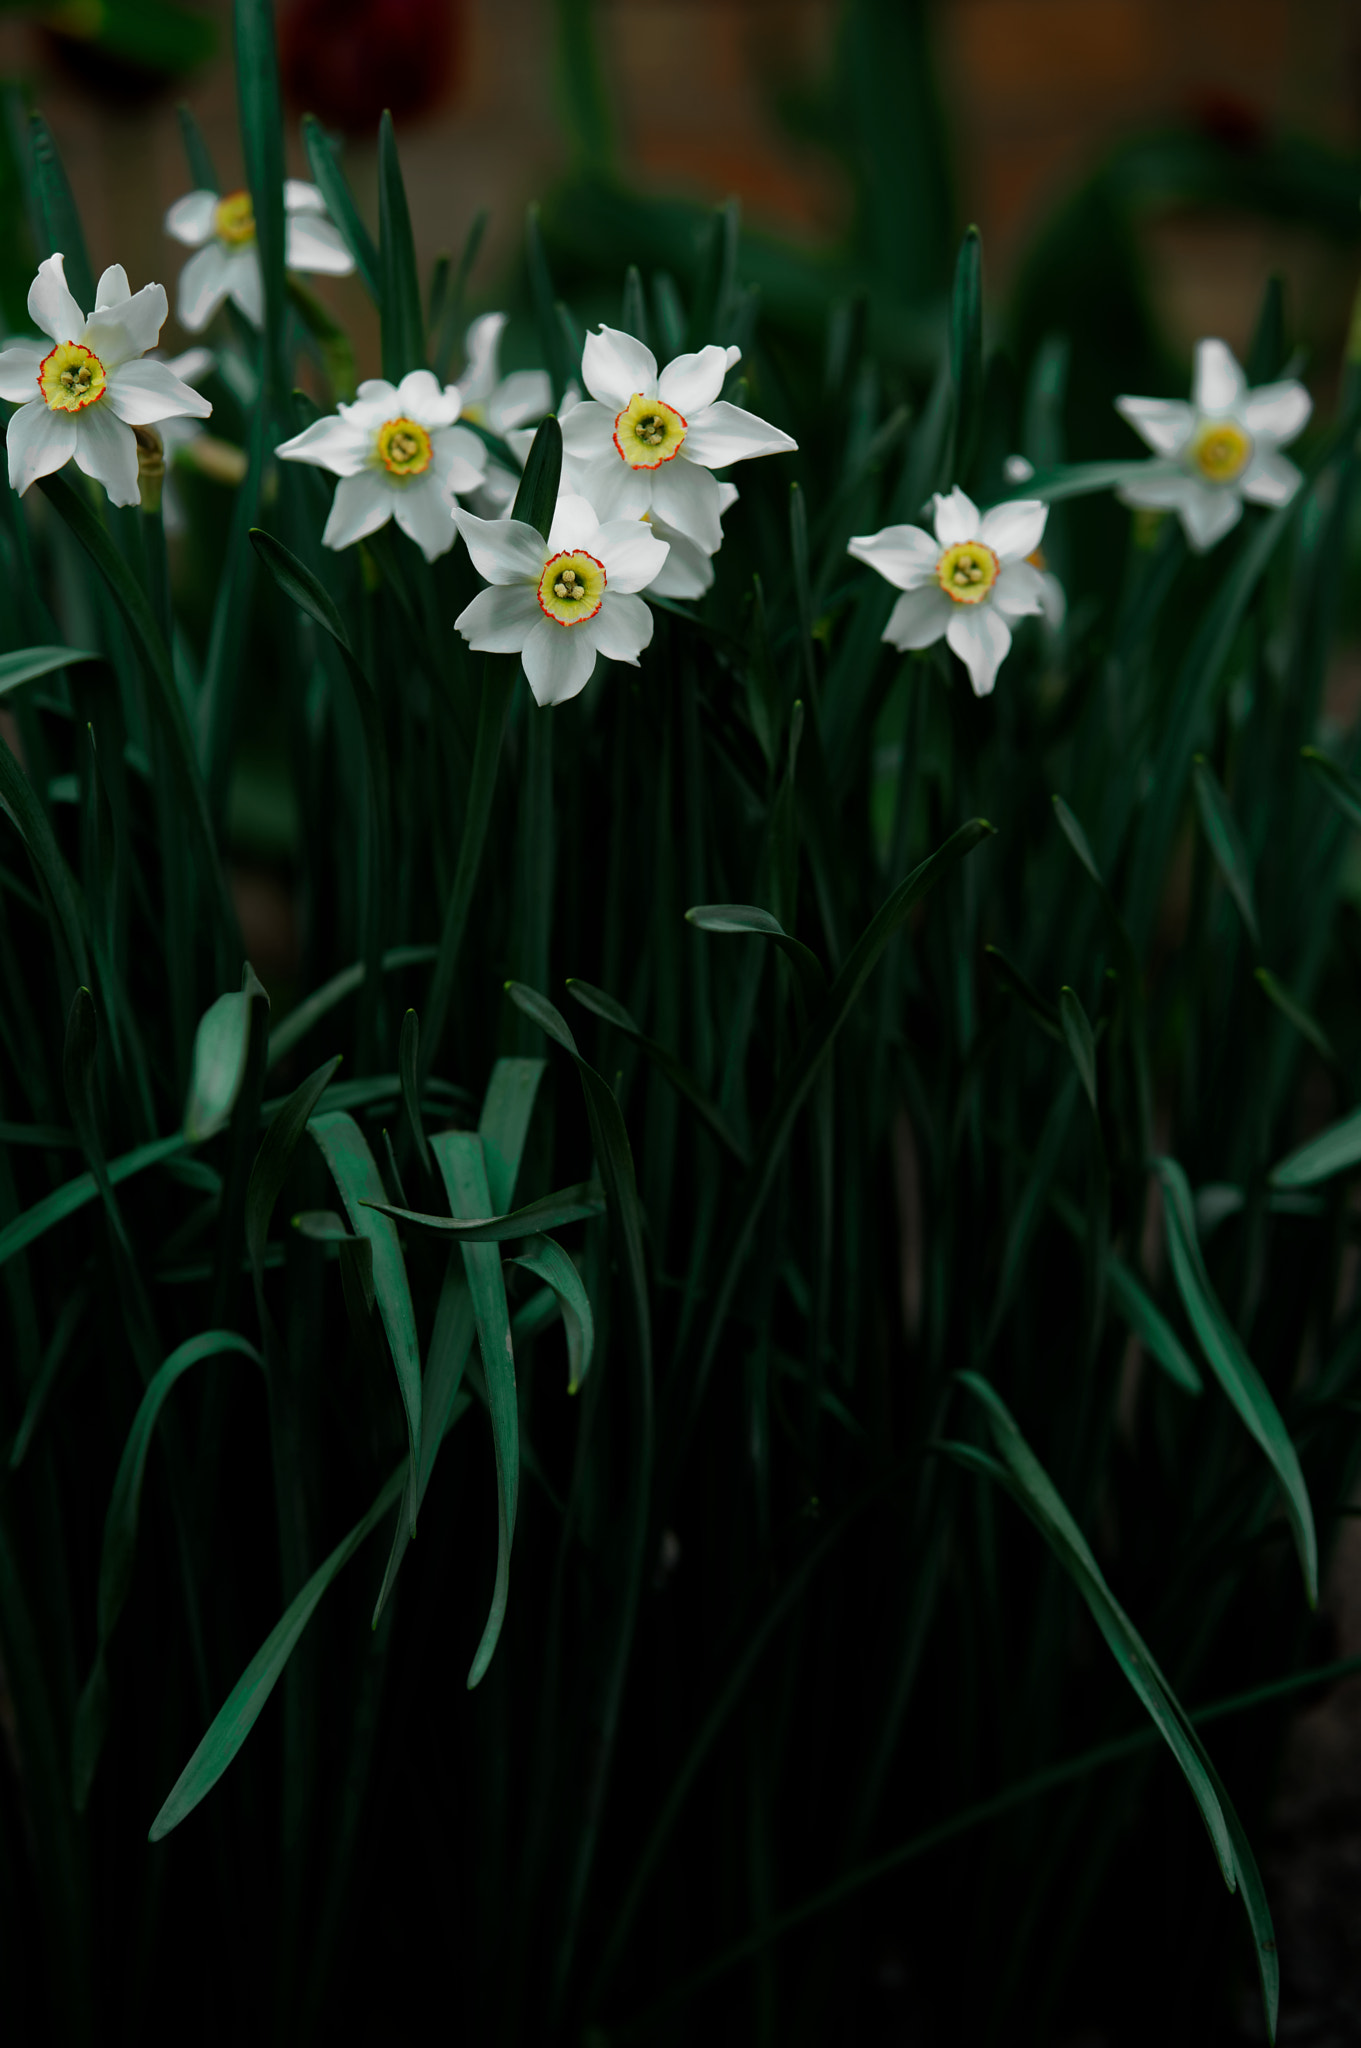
(649,432)
(572,587)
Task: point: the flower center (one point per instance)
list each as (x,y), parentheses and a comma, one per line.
(404,447)
(234,219)
(71,377)
(571,587)
(648,433)
(967,571)
(1220,450)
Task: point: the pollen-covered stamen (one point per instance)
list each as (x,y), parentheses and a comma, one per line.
(234,219)
(648,432)
(572,587)
(1220,450)
(71,377)
(404,447)
(967,571)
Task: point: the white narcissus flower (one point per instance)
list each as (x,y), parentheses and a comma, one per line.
(1220,450)
(175,434)
(82,396)
(226,265)
(399,454)
(648,442)
(966,583)
(560,602)
(688,570)
(501,404)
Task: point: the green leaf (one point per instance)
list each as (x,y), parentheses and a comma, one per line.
(1307,1026)
(21,806)
(463,1170)
(1335,1150)
(666,1063)
(1077,839)
(331,183)
(1078,1033)
(399,299)
(747,917)
(56,210)
(23,1230)
(1231,1366)
(1030,1486)
(300,1020)
(537,494)
(542,1256)
(221,1050)
(1084,479)
(242,1707)
(270,1169)
(344,1148)
(1342,789)
(1225,842)
(966,350)
(550,1212)
(202,170)
(120,1543)
(504,1123)
(411,1094)
(1151,1327)
(542,297)
(1011,977)
(31,662)
(262,146)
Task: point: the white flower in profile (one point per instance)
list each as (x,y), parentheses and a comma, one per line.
(559,602)
(1220,450)
(400,454)
(648,442)
(966,583)
(81,396)
(226,265)
(688,570)
(490,400)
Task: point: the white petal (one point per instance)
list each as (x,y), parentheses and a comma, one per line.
(728,495)
(361,505)
(574,525)
(245,285)
(1270,478)
(330,443)
(613,490)
(692,382)
(558,660)
(524,395)
(622,628)
(50,305)
(1162,490)
(375,401)
(956,518)
(458,467)
(481,346)
(316,246)
(614,366)
(1163,424)
(919,617)
(113,288)
(686,496)
(421,396)
(903,555)
(191,364)
(1219,385)
(588,432)
(19,367)
(1017,469)
(1053,602)
(426,516)
(39,441)
(119,333)
(106,449)
(190,220)
(142,393)
(632,554)
(503,550)
(300,197)
(1208,512)
(1014,530)
(1277,410)
(204,283)
(981,639)
(687,571)
(723,433)
(1019,590)
(500,620)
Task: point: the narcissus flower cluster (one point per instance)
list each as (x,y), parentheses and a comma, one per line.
(220,228)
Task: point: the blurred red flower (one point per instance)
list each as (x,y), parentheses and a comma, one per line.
(346,60)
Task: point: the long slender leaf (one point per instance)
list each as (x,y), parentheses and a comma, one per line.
(399,299)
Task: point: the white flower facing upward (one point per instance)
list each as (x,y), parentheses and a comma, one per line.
(1220,450)
(648,442)
(399,454)
(220,228)
(560,602)
(81,395)
(966,584)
